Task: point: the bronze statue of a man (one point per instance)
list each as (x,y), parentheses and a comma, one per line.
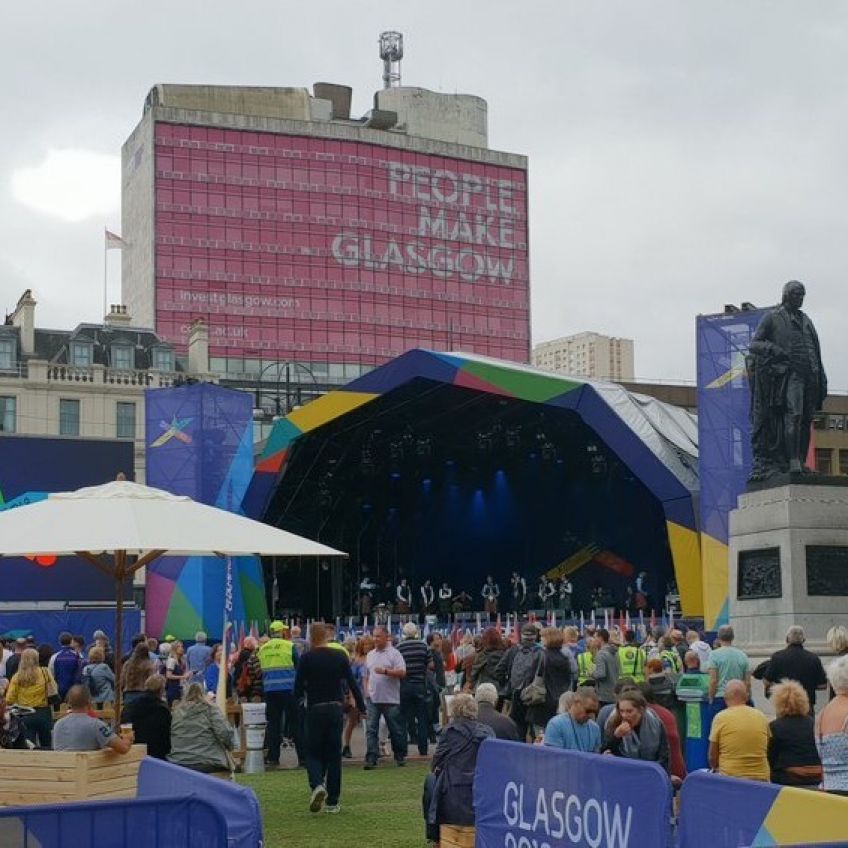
(788,385)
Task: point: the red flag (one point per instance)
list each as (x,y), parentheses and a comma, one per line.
(810,461)
(516,631)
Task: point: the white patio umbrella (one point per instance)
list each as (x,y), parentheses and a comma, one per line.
(108,525)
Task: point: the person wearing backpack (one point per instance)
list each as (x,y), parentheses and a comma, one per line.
(515,670)
(98,678)
(631,658)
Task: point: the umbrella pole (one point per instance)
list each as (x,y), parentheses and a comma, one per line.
(120,563)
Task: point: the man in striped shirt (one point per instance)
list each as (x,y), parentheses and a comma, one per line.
(413,687)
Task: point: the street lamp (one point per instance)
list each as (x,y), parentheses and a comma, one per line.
(258,412)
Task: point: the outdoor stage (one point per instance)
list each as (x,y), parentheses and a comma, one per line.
(452,467)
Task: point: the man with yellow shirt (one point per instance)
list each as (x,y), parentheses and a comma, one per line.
(739,737)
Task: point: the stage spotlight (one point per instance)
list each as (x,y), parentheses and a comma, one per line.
(450,463)
(512,437)
(424,447)
(485,442)
(395,475)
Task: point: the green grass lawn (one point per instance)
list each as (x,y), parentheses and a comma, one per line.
(380,808)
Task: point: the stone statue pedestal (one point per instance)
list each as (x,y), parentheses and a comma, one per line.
(789,562)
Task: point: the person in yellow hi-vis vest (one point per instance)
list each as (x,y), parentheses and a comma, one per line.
(669,656)
(278,660)
(586,663)
(631,658)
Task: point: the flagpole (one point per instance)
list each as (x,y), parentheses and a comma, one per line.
(105,274)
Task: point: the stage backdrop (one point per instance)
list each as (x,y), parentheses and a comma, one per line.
(199,442)
(724,442)
(31,466)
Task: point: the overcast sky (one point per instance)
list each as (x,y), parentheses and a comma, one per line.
(683,155)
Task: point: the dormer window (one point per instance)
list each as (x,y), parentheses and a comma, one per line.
(82,354)
(123,357)
(163,359)
(7,354)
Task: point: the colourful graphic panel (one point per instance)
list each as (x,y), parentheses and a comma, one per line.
(200,444)
(29,468)
(724,442)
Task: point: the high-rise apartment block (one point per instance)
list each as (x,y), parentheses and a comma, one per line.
(303,235)
(587,355)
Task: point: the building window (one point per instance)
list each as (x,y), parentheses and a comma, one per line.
(125,420)
(123,357)
(835,422)
(82,354)
(7,354)
(843,461)
(69,417)
(824,465)
(8,414)
(163,359)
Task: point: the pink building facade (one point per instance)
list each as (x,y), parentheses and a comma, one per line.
(296,244)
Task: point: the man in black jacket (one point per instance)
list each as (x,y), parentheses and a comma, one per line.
(795,662)
(503,726)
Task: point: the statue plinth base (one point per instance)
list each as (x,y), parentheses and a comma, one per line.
(794,478)
(788,550)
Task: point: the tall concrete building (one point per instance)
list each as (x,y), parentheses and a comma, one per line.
(587,355)
(321,244)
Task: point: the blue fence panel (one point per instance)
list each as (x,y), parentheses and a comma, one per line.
(717,811)
(236,803)
(155,822)
(529,796)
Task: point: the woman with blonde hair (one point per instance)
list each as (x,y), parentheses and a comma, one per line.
(30,686)
(837,640)
(832,731)
(201,738)
(359,652)
(792,755)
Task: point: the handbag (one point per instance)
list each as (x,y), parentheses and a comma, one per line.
(535,693)
(52,689)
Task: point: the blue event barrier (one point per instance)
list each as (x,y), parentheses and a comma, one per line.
(46,625)
(154,822)
(529,796)
(718,811)
(236,803)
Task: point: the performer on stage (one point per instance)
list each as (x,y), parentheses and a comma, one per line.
(428,598)
(445,598)
(490,593)
(403,597)
(519,592)
(462,602)
(366,594)
(640,592)
(566,590)
(547,590)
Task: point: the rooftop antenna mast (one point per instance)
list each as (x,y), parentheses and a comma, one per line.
(391,52)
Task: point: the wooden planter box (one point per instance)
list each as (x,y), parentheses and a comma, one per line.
(52,777)
(456,836)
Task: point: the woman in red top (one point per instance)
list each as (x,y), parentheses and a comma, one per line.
(676,763)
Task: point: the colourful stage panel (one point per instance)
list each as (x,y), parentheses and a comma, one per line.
(200,443)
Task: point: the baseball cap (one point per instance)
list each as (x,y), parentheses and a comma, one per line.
(277,626)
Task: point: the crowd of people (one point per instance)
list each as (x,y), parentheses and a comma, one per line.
(602,691)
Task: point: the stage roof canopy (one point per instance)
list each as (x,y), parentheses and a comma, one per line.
(503,406)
